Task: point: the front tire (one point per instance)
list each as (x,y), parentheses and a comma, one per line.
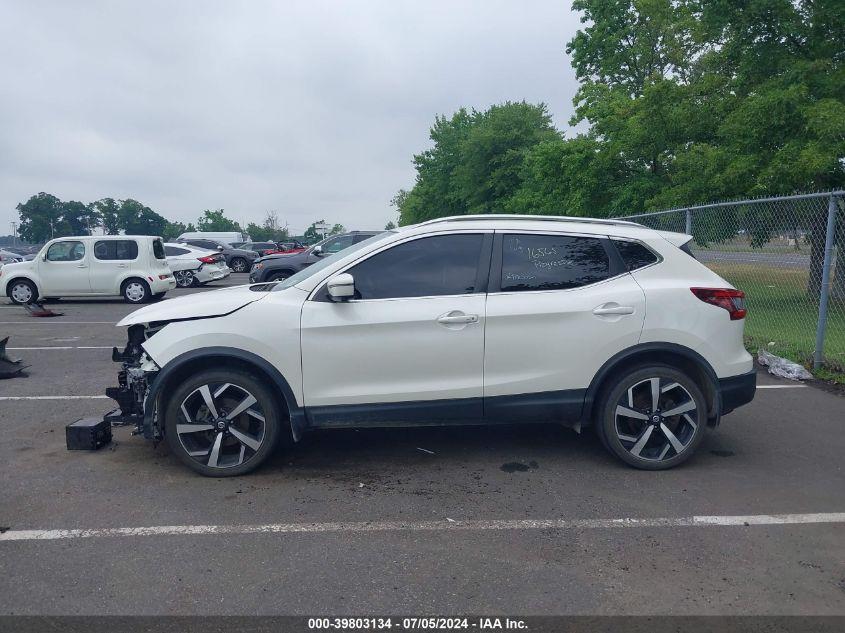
(653,417)
(22,291)
(222,423)
(239,265)
(135,291)
(278,277)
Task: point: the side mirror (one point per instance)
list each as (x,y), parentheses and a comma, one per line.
(44,257)
(341,287)
(219,249)
(318,251)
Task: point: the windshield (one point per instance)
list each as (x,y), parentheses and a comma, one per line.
(329,260)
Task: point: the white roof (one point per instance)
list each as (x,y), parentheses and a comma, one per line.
(594,226)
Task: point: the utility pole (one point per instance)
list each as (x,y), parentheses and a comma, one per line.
(14,232)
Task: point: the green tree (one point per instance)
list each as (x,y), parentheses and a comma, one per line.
(476,162)
(138,219)
(40,216)
(78,218)
(216,220)
(390,226)
(107,210)
(337,229)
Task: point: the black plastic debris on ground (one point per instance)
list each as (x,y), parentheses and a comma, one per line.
(10,367)
(38,310)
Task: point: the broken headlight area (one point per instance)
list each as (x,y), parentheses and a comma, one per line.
(133,382)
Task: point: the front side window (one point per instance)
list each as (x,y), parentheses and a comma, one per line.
(552,262)
(66,252)
(430,266)
(337,244)
(116,249)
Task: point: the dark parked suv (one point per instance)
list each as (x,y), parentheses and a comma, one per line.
(238,259)
(278,267)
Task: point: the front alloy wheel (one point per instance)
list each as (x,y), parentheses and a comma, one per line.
(654,418)
(184,278)
(222,423)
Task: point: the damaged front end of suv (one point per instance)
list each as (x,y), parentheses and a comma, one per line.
(134,381)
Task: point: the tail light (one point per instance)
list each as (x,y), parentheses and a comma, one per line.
(208,259)
(731,300)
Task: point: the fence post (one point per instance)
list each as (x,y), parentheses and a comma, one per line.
(818,356)
(689,222)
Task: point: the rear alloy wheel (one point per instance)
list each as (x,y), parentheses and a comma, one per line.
(222,423)
(239,265)
(654,418)
(136,291)
(23,291)
(184,278)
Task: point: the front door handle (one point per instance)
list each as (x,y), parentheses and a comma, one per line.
(451,318)
(612,309)
(81,266)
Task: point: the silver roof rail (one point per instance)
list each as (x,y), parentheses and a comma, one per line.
(540,218)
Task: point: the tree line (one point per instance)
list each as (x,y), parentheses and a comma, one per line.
(681,101)
(44,216)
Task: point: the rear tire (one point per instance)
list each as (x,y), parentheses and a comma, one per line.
(135,291)
(185,278)
(223,445)
(633,423)
(239,265)
(22,291)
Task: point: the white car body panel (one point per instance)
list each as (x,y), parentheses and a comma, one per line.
(550,340)
(397,347)
(203,272)
(196,306)
(273,315)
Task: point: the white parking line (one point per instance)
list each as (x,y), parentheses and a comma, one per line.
(428,526)
(781,386)
(60,348)
(53,397)
(52,321)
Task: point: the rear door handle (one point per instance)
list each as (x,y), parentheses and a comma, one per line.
(453,319)
(121,265)
(81,266)
(606,310)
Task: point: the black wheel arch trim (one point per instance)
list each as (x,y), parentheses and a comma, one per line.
(640,349)
(297,415)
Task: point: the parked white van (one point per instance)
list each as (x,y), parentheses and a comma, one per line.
(132,266)
(230,237)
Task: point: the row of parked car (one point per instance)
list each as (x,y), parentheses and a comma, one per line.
(137,267)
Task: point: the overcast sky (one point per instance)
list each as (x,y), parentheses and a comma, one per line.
(313,109)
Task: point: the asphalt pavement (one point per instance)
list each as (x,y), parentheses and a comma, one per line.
(511,520)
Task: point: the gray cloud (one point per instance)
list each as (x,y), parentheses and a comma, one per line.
(313,109)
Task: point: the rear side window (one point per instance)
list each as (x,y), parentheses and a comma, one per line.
(158,249)
(173,251)
(66,252)
(634,254)
(116,249)
(552,262)
(427,267)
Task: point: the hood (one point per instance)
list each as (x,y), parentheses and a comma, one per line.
(199,305)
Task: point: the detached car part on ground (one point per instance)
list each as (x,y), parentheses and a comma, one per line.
(477,319)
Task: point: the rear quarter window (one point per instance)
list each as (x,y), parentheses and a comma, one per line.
(634,254)
(158,249)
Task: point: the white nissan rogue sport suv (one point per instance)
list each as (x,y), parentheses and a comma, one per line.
(463,320)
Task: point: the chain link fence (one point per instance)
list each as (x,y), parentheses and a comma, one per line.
(783,253)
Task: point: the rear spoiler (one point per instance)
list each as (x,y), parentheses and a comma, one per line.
(678,239)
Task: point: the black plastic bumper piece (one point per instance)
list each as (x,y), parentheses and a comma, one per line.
(737,390)
(87,434)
